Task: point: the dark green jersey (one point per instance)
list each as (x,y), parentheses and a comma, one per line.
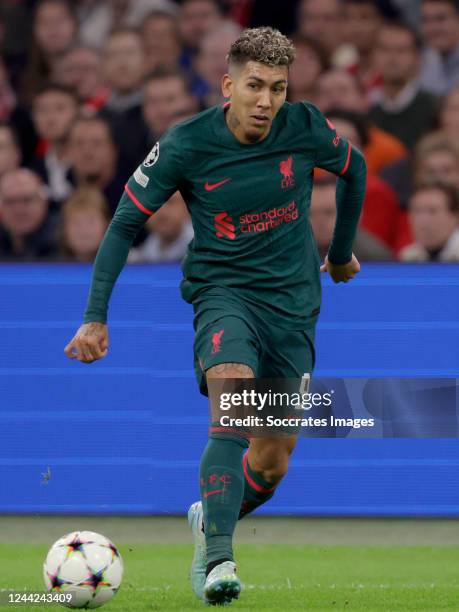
(249,207)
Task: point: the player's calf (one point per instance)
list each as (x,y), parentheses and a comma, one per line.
(264,465)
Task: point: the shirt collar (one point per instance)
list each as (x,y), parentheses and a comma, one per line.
(402,100)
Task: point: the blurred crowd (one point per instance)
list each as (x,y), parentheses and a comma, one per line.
(88,86)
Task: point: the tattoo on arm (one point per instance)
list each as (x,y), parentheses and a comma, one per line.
(230,370)
(91,329)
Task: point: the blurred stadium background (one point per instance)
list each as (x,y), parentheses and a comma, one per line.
(86,89)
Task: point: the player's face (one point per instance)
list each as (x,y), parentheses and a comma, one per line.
(256,92)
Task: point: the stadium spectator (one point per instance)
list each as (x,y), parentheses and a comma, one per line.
(8,99)
(382,216)
(449,114)
(323,216)
(85,218)
(27,228)
(10,153)
(17,116)
(98,19)
(54,31)
(310,62)
(398,176)
(123,69)
(362,20)
(170,233)
(440,28)
(196,19)
(161,41)
(259,13)
(402,108)
(94,158)
(15,32)
(81,69)
(166,100)
(433,213)
(437,159)
(407,10)
(55,108)
(338,89)
(323,21)
(211,61)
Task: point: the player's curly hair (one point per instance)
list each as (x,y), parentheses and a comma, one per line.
(265,45)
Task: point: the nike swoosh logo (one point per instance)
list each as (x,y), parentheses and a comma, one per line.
(209,187)
(213,492)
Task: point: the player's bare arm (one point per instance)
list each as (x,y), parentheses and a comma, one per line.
(89,344)
(230,370)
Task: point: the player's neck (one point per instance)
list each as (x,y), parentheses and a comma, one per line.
(235,127)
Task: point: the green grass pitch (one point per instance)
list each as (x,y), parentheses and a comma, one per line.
(276,577)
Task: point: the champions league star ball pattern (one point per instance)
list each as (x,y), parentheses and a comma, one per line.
(86,565)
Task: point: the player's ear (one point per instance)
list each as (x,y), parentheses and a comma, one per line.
(227,85)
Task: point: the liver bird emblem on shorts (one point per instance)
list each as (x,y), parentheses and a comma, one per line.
(216,341)
(286,169)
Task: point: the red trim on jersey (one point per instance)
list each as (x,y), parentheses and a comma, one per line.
(251,482)
(226,104)
(348,159)
(139,205)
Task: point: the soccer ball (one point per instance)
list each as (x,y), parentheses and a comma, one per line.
(86,565)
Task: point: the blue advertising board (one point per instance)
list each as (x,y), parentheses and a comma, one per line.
(124,435)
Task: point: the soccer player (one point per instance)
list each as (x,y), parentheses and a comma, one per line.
(245,170)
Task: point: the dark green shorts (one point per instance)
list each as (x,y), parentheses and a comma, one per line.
(228,331)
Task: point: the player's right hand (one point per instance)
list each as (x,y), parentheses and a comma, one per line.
(89,343)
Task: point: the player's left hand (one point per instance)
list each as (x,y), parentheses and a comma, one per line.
(341,273)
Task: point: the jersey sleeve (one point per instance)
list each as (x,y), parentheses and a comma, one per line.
(333,152)
(158,176)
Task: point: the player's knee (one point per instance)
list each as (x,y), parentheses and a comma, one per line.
(272,464)
(275,474)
